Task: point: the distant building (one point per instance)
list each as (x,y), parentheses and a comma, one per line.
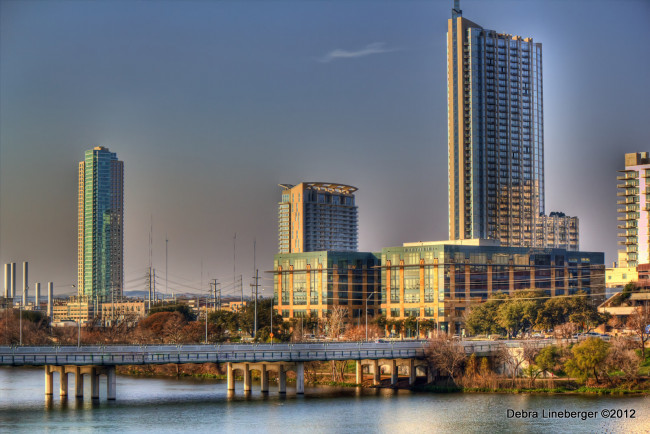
(317,216)
(634,207)
(125,310)
(81,308)
(558,231)
(101,226)
(496,140)
(441,280)
(314,283)
(77,309)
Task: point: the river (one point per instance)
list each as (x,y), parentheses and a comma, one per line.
(177,405)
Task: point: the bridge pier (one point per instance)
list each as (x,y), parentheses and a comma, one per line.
(393,372)
(412,372)
(110,373)
(282,380)
(247,378)
(300,378)
(63,381)
(230,376)
(265,379)
(49,381)
(359,372)
(376,373)
(78,382)
(94,383)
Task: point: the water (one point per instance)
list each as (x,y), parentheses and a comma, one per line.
(171,405)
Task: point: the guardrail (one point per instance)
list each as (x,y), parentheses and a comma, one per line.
(252,353)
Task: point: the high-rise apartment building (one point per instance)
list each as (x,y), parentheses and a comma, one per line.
(496,135)
(100,273)
(317,216)
(634,207)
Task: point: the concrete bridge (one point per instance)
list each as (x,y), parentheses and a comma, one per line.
(95,361)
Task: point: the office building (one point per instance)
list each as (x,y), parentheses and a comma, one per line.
(441,280)
(317,216)
(634,219)
(496,136)
(313,283)
(100,275)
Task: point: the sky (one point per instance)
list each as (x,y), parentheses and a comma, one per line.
(212,104)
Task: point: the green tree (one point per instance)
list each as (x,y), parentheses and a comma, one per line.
(588,359)
(482,318)
(519,312)
(549,359)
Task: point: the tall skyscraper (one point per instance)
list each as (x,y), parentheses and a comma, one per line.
(317,216)
(101,226)
(496,135)
(634,216)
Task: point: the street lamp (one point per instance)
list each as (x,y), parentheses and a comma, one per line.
(373,293)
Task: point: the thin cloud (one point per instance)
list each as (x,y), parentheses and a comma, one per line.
(374,48)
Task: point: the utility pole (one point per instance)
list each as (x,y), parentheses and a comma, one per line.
(218,285)
(256,286)
(166,264)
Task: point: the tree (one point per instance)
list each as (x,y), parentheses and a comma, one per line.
(183,309)
(639,321)
(549,360)
(336,321)
(588,359)
(622,357)
(482,318)
(446,355)
(520,311)
(584,312)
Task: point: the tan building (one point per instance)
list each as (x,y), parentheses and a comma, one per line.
(317,216)
(130,311)
(314,283)
(75,309)
(441,280)
(634,210)
(618,277)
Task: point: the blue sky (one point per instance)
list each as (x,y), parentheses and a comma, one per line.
(212,104)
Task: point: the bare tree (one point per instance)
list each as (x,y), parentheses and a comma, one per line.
(512,359)
(622,357)
(639,321)
(446,355)
(336,321)
(565,331)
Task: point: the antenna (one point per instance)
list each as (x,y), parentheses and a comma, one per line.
(456,12)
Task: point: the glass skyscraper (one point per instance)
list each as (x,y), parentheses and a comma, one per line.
(101,226)
(496,140)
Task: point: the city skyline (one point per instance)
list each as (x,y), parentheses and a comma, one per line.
(376,95)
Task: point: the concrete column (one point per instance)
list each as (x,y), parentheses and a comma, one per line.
(430,376)
(300,378)
(63,381)
(49,381)
(247,378)
(111,392)
(230,376)
(78,383)
(412,372)
(265,380)
(94,384)
(393,372)
(359,378)
(376,374)
(282,380)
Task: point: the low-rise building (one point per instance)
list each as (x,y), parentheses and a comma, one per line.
(124,310)
(441,280)
(313,283)
(75,309)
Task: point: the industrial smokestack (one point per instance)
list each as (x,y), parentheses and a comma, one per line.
(7,273)
(50,298)
(12,280)
(37,295)
(25,286)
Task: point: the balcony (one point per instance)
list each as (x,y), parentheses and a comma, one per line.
(627,192)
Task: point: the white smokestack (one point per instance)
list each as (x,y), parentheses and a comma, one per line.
(12,280)
(7,279)
(25,285)
(50,298)
(37,294)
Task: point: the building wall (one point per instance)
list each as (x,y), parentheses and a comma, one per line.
(633,206)
(441,281)
(496,152)
(101,225)
(317,216)
(314,283)
(558,231)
